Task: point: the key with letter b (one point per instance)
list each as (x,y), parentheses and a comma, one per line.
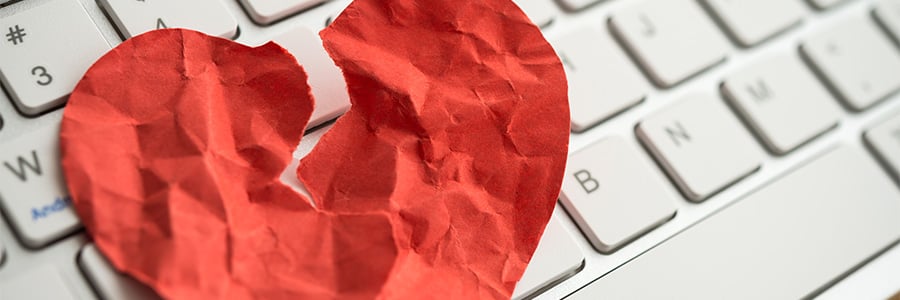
(32,191)
(614,196)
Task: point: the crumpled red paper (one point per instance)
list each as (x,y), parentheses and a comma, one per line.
(436,184)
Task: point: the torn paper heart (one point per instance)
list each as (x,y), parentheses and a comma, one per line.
(436,184)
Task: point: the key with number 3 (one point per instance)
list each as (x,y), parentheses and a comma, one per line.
(43,59)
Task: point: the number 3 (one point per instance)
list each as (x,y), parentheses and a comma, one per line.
(42,72)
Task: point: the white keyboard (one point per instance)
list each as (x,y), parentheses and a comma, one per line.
(720,148)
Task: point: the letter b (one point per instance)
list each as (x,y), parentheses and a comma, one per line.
(588,183)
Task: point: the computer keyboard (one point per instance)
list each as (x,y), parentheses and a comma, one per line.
(748,148)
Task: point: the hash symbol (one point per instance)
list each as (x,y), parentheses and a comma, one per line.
(16,34)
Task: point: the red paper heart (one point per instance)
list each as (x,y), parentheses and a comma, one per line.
(436,184)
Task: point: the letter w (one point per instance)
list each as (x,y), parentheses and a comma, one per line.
(34,165)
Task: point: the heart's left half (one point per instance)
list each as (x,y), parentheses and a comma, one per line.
(172,145)
(435,185)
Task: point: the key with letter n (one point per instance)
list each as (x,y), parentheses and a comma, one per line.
(701,144)
(32,191)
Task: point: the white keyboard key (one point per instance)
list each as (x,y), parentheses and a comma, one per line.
(885,140)
(32,191)
(602,81)
(782,101)
(875,280)
(556,258)
(269,11)
(541,12)
(824,4)
(702,146)
(672,39)
(612,195)
(135,17)
(752,21)
(577,4)
(107,282)
(50,55)
(37,283)
(857,59)
(325,79)
(888,13)
(783,241)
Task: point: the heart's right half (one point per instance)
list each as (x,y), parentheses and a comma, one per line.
(436,184)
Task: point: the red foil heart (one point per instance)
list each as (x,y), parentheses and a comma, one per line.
(436,184)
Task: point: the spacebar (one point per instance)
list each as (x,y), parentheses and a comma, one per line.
(785,241)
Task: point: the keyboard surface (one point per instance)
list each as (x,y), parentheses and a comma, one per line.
(712,140)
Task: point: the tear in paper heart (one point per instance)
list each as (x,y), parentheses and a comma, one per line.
(436,184)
